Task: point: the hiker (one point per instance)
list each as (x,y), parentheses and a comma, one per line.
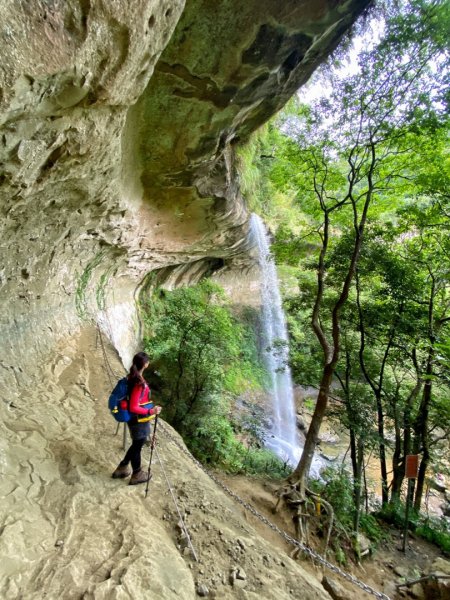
(141,410)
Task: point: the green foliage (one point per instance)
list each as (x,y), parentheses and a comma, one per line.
(101,288)
(251,162)
(378,142)
(262,178)
(309,404)
(205,356)
(436,531)
(213,441)
(211,437)
(83,284)
(372,529)
(248,372)
(360,184)
(340,555)
(394,514)
(259,461)
(195,339)
(335,486)
(252,423)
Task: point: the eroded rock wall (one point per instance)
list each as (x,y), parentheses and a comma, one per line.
(69,73)
(118,160)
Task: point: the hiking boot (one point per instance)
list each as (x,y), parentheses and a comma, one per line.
(121,472)
(139,477)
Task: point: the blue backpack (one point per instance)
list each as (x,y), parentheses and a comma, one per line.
(118,401)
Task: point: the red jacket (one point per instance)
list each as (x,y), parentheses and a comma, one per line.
(140,403)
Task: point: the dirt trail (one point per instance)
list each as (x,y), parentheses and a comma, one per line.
(380,570)
(69,531)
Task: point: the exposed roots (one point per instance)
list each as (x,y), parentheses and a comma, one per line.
(306,504)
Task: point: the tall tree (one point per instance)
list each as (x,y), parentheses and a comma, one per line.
(354,149)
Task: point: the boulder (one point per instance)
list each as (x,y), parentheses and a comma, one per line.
(438,587)
(363,544)
(301,424)
(337,591)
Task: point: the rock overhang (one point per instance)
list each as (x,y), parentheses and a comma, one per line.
(119,127)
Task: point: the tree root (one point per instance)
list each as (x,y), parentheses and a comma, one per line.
(301,501)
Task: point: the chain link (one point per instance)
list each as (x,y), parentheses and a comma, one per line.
(274,527)
(109,371)
(185,531)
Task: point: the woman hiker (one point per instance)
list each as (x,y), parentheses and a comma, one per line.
(142,411)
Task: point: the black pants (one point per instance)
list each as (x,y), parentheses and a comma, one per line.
(133,455)
(139,432)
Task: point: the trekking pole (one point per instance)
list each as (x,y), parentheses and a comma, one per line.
(151,455)
(124,443)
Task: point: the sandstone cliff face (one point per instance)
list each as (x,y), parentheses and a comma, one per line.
(119,120)
(69,531)
(118,160)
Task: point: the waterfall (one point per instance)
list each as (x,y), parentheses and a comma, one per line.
(283,436)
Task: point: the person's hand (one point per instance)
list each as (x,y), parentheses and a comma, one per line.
(157,410)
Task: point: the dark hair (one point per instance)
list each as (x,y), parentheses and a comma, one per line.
(139,360)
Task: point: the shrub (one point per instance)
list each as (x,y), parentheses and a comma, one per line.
(335,486)
(436,531)
(204,357)
(264,462)
(194,340)
(371,527)
(394,514)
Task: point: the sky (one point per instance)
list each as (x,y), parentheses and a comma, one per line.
(319,86)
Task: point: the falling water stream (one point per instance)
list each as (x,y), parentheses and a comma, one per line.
(283,437)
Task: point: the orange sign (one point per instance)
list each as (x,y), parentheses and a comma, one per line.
(412,466)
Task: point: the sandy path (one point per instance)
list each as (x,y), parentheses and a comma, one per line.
(67,530)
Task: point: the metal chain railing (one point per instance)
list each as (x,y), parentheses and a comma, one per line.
(320,559)
(180,516)
(317,557)
(111,375)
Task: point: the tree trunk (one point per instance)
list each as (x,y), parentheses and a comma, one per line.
(301,472)
(421,479)
(398,463)
(421,430)
(357,484)
(353,452)
(382,451)
(331,352)
(357,459)
(399,467)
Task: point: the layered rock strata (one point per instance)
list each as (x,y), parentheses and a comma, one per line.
(117,156)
